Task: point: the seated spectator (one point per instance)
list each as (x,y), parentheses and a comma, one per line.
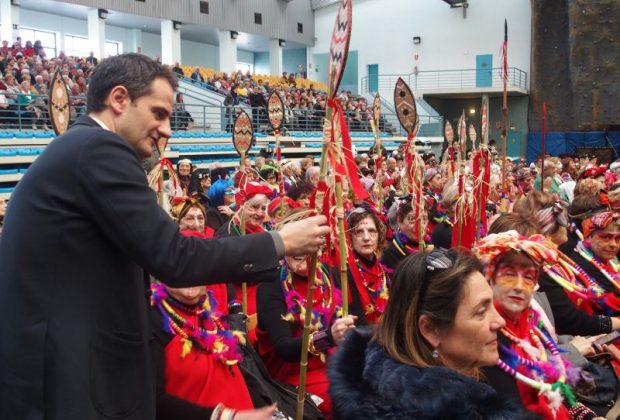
(196,76)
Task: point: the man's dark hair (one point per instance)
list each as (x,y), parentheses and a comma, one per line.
(134,71)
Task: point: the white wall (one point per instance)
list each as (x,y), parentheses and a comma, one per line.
(383,32)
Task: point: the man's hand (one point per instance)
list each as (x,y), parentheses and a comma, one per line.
(304,236)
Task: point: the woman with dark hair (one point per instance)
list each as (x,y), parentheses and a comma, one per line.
(368,285)
(222,204)
(181,118)
(422,362)
(406,238)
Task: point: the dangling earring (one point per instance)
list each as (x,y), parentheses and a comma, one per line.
(435,354)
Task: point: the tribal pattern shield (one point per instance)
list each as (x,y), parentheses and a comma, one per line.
(58,104)
(484,130)
(405,106)
(242,133)
(275,111)
(376,110)
(339,46)
(448,132)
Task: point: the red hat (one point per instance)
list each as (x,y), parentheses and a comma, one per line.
(276,203)
(250,190)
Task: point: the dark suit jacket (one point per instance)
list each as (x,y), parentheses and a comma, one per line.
(81,228)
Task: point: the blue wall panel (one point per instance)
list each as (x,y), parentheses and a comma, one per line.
(292,58)
(566,142)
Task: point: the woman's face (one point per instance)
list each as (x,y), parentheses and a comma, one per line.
(605,243)
(304,201)
(194,219)
(184,169)
(205,183)
(408,224)
(298,265)
(187,295)
(255,210)
(471,342)
(365,237)
(514,285)
(436,183)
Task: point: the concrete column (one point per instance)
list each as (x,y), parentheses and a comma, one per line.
(170,42)
(9,19)
(96,32)
(310,63)
(275,57)
(227,52)
(135,40)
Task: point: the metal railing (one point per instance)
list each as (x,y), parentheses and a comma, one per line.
(463,79)
(32,114)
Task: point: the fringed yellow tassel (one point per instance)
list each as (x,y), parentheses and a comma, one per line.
(240,336)
(187,347)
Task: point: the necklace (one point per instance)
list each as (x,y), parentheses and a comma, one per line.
(322,311)
(400,242)
(548,376)
(209,334)
(613,265)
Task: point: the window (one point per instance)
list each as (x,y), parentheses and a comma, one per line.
(48,39)
(80,46)
(300,28)
(111,48)
(258,18)
(244,67)
(204,7)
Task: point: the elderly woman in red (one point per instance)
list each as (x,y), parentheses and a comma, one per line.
(252,203)
(592,306)
(531,367)
(368,286)
(281,306)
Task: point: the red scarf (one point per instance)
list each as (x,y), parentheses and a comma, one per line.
(366,280)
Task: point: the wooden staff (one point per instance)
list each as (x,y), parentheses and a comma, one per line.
(374,124)
(542,147)
(242,140)
(407,114)
(461,154)
(505,116)
(338,52)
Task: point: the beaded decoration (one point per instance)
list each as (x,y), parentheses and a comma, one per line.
(378,295)
(211,335)
(547,375)
(330,304)
(611,270)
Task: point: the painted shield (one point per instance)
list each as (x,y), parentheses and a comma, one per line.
(376,110)
(242,133)
(58,104)
(339,46)
(484,130)
(472,133)
(448,132)
(275,111)
(405,106)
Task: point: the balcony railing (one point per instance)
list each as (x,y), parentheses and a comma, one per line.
(33,115)
(453,80)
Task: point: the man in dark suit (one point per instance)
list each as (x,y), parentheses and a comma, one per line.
(81,230)
(92,59)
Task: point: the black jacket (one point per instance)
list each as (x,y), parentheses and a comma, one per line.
(365,383)
(81,229)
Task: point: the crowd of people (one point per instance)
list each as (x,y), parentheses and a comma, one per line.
(519,326)
(304,103)
(515,321)
(25,77)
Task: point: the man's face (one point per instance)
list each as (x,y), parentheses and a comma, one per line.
(143,121)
